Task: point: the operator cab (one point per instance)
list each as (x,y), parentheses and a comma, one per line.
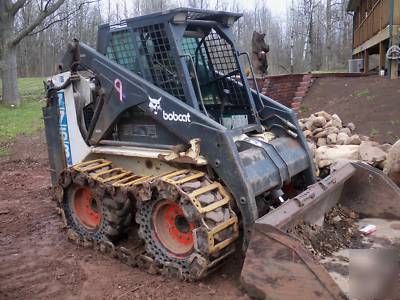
(190,54)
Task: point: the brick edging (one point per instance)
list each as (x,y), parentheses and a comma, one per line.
(290,89)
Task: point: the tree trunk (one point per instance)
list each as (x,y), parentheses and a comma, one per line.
(8,59)
(328,56)
(9,76)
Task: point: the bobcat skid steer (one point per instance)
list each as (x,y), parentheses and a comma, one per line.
(163,156)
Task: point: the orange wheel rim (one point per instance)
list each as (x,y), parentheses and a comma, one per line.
(86,208)
(172,228)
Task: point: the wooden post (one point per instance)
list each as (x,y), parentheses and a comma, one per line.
(395,19)
(395,69)
(394,74)
(382,56)
(366,61)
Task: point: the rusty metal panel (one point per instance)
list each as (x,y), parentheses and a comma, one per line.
(371,193)
(278,267)
(313,203)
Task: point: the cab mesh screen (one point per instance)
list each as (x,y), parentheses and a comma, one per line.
(147,52)
(217,69)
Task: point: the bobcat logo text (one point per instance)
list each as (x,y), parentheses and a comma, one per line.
(155,107)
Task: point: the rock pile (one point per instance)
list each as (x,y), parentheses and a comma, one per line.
(330,140)
(325,129)
(392,166)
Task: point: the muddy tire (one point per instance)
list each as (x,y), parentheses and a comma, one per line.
(185,226)
(176,234)
(167,232)
(94,217)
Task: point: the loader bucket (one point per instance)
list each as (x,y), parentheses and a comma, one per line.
(278,265)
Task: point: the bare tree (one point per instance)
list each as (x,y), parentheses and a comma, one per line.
(11,35)
(322,33)
(328,36)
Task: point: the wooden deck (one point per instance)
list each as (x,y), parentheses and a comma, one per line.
(372,32)
(369,21)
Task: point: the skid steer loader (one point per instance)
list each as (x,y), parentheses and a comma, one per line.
(162,156)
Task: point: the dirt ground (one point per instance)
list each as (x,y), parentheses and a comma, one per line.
(371,103)
(38,262)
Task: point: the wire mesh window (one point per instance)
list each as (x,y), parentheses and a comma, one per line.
(225,68)
(147,51)
(217,69)
(161,67)
(196,50)
(121,50)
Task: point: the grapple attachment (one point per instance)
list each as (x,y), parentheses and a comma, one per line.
(278,265)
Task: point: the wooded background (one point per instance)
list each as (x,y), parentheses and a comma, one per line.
(318,33)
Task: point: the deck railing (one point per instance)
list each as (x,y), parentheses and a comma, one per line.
(376,20)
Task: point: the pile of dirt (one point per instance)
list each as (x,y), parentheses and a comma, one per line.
(339,231)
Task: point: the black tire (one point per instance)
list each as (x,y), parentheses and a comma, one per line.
(183,265)
(112,220)
(176,233)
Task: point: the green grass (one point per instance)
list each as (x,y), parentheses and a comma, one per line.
(26,119)
(395,122)
(370,98)
(362,93)
(4,151)
(304,109)
(374,132)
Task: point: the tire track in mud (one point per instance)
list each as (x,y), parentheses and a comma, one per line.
(30,240)
(38,262)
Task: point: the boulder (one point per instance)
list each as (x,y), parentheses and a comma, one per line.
(353,140)
(217,216)
(318,122)
(321,142)
(351,126)
(317,130)
(191,185)
(371,153)
(328,124)
(324,114)
(392,165)
(385,147)
(321,134)
(342,138)
(206,199)
(364,138)
(327,155)
(309,125)
(346,131)
(307,133)
(331,139)
(332,130)
(336,121)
